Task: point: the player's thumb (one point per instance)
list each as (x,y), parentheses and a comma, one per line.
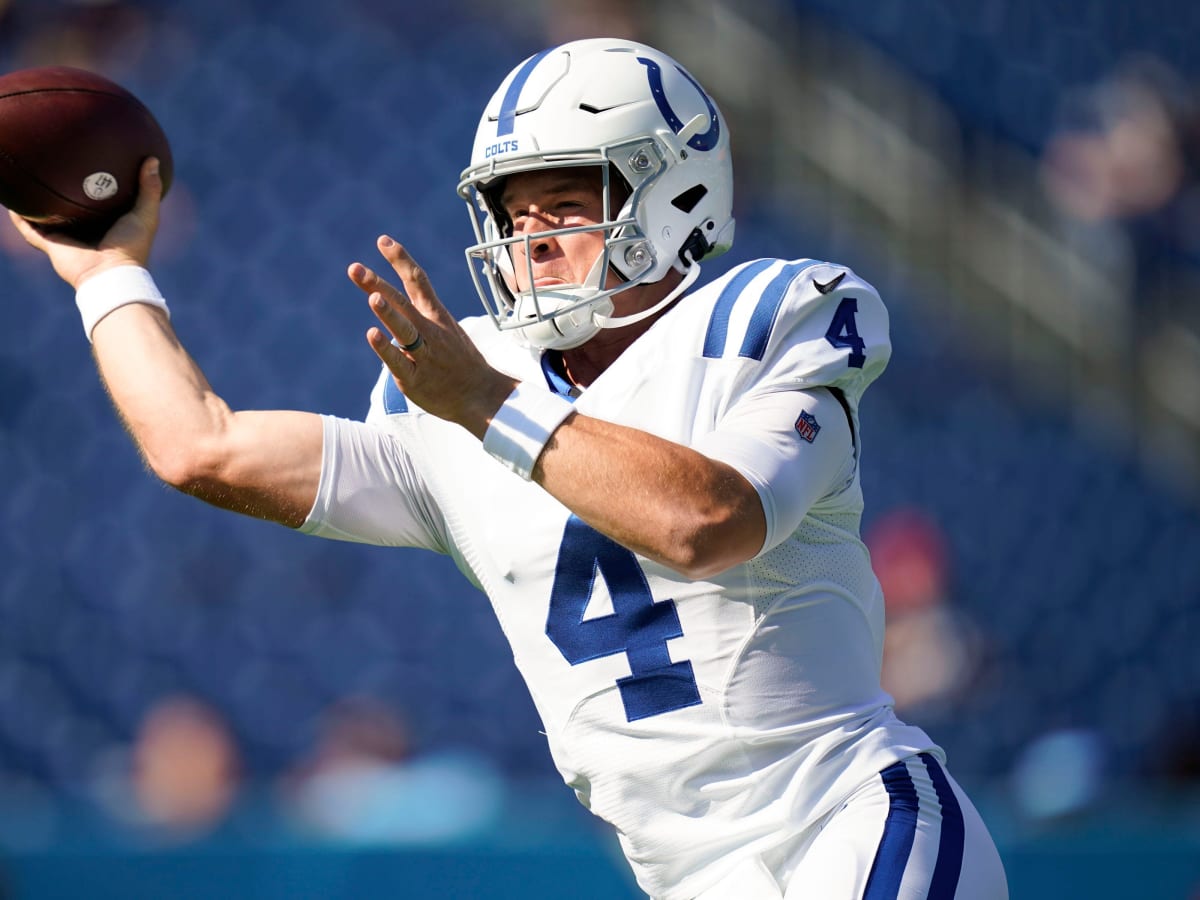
(150,189)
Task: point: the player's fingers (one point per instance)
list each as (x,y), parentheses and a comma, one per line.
(364,278)
(368,281)
(45,241)
(390,314)
(416,282)
(25,228)
(397,362)
(395,300)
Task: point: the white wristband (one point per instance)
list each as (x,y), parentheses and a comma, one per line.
(523,425)
(113,288)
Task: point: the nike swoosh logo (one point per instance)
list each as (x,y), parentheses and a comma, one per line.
(829,285)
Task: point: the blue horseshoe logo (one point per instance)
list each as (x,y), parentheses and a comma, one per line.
(705,141)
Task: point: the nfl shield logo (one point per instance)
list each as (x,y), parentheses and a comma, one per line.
(807,427)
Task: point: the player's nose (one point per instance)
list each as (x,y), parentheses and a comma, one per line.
(538,238)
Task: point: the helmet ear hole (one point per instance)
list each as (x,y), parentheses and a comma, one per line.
(687,201)
(695,248)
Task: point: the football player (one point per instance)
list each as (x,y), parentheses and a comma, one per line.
(656,484)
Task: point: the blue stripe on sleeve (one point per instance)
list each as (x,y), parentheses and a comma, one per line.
(899,831)
(763,318)
(946,870)
(393,401)
(718,325)
(508,107)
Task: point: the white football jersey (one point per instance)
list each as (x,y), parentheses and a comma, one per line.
(706,720)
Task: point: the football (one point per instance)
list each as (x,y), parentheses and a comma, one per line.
(71,145)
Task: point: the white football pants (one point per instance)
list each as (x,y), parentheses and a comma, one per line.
(908,834)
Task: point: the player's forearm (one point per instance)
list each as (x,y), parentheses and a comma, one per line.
(659,499)
(262,464)
(161,394)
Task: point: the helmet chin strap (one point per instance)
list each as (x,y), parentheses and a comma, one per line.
(689,278)
(582,318)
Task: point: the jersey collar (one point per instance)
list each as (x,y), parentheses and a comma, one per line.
(556,382)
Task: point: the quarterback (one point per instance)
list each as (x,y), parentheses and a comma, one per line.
(655,483)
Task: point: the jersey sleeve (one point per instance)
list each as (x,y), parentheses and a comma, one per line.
(794,447)
(370,491)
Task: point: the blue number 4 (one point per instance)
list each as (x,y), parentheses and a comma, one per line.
(843,332)
(638,626)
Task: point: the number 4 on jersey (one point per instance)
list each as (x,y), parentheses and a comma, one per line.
(843,332)
(639,627)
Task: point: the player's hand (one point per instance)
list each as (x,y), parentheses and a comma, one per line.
(127,242)
(441,370)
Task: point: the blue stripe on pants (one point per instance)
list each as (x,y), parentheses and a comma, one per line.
(950,847)
(899,831)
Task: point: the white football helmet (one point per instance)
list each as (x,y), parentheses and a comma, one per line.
(640,117)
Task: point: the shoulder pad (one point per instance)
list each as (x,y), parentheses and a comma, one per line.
(810,323)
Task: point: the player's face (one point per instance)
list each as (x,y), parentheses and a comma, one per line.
(538,202)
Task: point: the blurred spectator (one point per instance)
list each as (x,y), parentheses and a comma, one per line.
(185,769)
(361,785)
(181,777)
(355,732)
(1127,157)
(109,36)
(560,21)
(575,19)
(1059,774)
(930,650)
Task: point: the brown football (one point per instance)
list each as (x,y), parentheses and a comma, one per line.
(71,145)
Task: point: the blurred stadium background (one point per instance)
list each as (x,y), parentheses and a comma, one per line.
(194,705)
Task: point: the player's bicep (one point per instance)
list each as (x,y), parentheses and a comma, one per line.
(370,492)
(794,447)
